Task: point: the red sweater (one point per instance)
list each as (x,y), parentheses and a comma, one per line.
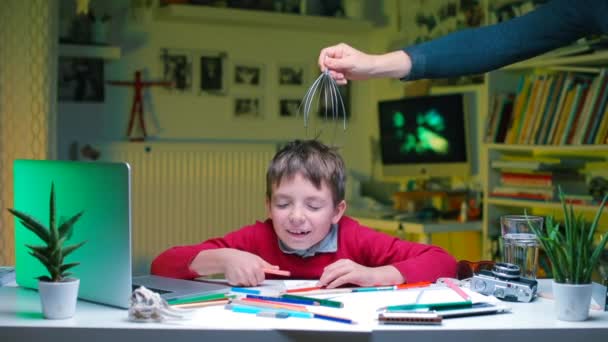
(415,261)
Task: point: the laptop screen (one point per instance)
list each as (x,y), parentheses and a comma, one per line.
(102,190)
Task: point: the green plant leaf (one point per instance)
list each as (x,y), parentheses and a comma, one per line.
(66,228)
(52,223)
(52,255)
(69,249)
(32,224)
(66,267)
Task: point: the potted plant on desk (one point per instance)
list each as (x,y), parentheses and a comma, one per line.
(573,259)
(58,292)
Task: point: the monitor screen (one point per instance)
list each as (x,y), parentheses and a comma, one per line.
(423,136)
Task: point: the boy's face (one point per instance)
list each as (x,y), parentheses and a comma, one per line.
(302,214)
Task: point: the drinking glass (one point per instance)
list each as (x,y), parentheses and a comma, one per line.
(520,244)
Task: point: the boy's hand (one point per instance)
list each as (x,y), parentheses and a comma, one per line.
(244,268)
(345,271)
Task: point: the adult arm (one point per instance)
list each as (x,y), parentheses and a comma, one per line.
(472,51)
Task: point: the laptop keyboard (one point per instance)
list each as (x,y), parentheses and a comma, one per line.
(159,291)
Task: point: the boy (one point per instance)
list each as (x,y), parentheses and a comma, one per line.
(307,234)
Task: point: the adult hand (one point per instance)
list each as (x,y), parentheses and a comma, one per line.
(345,63)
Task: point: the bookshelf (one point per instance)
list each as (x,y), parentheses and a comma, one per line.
(574,151)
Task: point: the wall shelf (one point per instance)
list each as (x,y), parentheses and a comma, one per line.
(548,148)
(90,51)
(507,202)
(241,17)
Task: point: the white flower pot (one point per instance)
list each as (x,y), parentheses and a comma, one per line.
(58,299)
(572,301)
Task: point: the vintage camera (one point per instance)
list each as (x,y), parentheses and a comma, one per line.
(505,282)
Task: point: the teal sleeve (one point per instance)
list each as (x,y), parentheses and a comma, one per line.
(473,51)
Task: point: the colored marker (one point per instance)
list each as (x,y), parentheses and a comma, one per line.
(245,290)
(273,314)
(457,289)
(431,306)
(277,272)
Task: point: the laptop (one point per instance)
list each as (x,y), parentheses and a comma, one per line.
(103,191)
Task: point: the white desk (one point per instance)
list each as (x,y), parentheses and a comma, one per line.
(424,229)
(21,320)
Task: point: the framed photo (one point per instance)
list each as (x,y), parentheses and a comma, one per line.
(248,74)
(291,75)
(213,73)
(177,68)
(247,107)
(80,80)
(289,107)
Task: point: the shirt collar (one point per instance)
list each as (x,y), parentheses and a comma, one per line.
(328,244)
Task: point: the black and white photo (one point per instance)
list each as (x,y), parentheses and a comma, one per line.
(247,74)
(289,107)
(248,107)
(291,75)
(212,73)
(80,80)
(177,68)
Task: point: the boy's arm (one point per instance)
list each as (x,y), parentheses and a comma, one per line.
(415,261)
(175,261)
(239,267)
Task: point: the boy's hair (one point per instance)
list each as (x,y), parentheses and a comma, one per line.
(312,159)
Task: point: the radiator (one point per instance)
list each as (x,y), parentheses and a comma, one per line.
(184,193)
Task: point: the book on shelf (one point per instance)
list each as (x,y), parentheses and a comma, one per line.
(552,108)
(537,165)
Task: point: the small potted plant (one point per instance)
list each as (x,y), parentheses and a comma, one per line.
(570,248)
(58,292)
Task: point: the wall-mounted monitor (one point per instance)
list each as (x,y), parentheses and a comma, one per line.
(424,136)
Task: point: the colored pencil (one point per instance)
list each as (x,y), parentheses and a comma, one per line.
(201,304)
(287,300)
(266,304)
(277,272)
(457,289)
(304,289)
(257,310)
(413,285)
(373,288)
(322,302)
(324,291)
(333,318)
(197,299)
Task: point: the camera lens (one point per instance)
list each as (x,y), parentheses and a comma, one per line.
(506,270)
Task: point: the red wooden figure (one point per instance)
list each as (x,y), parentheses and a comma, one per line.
(137,109)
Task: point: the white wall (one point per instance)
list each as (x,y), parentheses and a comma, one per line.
(191,116)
